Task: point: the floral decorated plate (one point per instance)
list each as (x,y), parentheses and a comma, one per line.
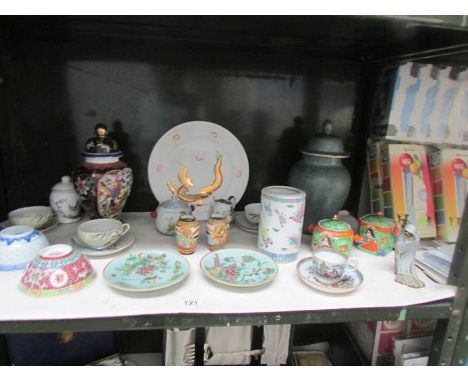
(123,243)
(197,147)
(146,271)
(348,283)
(239,267)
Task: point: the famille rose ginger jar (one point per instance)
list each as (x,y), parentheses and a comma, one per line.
(55,271)
(333,234)
(102,180)
(187,231)
(322,176)
(376,234)
(217,230)
(281,221)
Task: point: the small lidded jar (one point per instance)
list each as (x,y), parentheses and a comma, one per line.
(376,234)
(65,201)
(333,234)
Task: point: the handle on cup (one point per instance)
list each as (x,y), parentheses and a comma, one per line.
(351,266)
(125,228)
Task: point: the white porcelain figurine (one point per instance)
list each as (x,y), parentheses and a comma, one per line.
(406,244)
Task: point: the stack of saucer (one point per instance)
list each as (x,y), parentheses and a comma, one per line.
(248,219)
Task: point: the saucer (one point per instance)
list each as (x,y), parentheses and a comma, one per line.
(124,242)
(348,283)
(54,223)
(241,221)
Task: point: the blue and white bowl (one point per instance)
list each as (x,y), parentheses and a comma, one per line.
(19,245)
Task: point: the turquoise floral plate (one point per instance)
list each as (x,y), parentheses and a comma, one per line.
(239,267)
(146,271)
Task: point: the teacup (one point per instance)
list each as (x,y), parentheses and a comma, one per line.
(252,212)
(37,217)
(101,233)
(331,266)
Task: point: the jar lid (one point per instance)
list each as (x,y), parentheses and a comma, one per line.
(325,144)
(378,220)
(101,143)
(65,185)
(334,224)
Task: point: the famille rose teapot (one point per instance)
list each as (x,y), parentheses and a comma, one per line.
(376,234)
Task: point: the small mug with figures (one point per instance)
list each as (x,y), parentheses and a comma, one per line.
(217,229)
(187,230)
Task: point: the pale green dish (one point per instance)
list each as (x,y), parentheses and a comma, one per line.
(146,271)
(239,267)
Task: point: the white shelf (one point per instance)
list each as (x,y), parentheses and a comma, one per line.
(286,293)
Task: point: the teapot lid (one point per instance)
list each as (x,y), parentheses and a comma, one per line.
(378,220)
(65,185)
(334,224)
(325,143)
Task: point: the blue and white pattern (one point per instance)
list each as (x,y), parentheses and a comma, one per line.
(19,245)
(26,238)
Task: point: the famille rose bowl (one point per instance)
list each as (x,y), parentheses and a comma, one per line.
(57,270)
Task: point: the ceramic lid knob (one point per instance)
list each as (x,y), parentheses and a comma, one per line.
(325,143)
(65,185)
(101,143)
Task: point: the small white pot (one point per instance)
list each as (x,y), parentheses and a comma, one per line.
(65,201)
